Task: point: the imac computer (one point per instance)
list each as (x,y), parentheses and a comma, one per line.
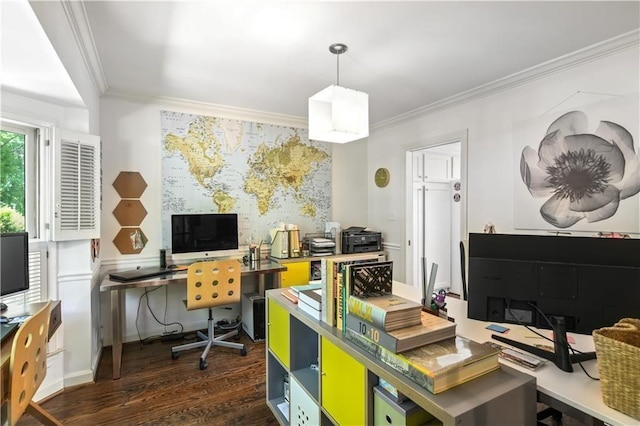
(14,264)
(562,283)
(204,236)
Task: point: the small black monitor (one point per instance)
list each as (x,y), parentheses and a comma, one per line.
(203,235)
(14,263)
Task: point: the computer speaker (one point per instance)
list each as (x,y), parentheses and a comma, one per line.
(163,258)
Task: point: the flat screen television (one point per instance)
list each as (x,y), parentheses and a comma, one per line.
(14,263)
(581,283)
(204,235)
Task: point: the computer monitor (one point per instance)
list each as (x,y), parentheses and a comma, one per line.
(14,263)
(204,236)
(581,283)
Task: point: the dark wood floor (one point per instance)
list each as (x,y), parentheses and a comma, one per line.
(154,389)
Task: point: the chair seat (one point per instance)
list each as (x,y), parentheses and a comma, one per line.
(211,284)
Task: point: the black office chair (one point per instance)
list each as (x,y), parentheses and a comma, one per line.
(464,266)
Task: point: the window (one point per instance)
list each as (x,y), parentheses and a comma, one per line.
(20,207)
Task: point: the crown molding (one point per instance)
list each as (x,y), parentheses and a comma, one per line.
(223,111)
(591,53)
(79,24)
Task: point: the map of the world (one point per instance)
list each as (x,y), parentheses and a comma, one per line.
(267,174)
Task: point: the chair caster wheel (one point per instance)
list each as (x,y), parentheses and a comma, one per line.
(203,365)
(174,355)
(243,351)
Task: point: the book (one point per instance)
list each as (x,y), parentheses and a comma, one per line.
(388,312)
(436,366)
(432,329)
(371,280)
(312,298)
(343,283)
(308,309)
(330,268)
(291,296)
(394,393)
(295,289)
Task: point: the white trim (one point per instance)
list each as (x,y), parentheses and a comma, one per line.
(391,246)
(76,277)
(591,53)
(78,378)
(79,24)
(223,111)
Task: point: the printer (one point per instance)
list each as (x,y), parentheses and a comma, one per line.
(357,239)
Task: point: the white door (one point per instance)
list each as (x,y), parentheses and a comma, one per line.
(436,215)
(437,232)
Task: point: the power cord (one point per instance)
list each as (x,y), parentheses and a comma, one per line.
(153,338)
(563,342)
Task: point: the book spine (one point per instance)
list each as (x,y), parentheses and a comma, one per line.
(371,332)
(367,312)
(340,311)
(362,342)
(325,291)
(401,365)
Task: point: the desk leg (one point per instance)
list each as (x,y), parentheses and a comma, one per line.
(117,305)
(261,284)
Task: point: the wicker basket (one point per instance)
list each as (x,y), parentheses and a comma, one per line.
(618,351)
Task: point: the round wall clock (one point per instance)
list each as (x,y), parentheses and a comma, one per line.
(382,177)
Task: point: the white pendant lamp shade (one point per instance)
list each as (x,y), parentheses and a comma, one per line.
(338,115)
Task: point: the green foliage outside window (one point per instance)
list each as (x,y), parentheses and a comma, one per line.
(12,181)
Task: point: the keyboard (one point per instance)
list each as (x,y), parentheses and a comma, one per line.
(140,274)
(8,330)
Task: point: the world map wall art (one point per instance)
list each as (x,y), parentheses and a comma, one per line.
(580,169)
(267,174)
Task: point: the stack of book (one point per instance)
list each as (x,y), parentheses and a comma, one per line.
(332,284)
(310,302)
(436,366)
(292,292)
(430,330)
(388,312)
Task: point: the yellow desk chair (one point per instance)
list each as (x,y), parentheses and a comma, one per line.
(211,284)
(28,367)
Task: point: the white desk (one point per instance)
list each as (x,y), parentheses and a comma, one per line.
(117,290)
(573,393)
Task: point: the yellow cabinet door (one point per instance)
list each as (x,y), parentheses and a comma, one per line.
(342,385)
(297,273)
(278,332)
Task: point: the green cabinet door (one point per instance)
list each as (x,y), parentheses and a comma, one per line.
(342,385)
(278,331)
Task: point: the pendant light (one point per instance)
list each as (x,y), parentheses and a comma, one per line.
(338,114)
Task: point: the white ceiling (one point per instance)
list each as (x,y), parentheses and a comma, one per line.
(272,55)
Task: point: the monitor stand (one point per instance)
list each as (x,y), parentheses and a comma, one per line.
(560,355)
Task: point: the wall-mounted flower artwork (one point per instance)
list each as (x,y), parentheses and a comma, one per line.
(582,175)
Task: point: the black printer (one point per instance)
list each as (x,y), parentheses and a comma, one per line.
(356,239)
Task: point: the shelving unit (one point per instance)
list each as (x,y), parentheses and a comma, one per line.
(300,269)
(331,381)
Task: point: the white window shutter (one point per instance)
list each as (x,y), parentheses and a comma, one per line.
(76,168)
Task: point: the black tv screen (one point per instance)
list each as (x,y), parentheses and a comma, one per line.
(14,263)
(589,282)
(203,233)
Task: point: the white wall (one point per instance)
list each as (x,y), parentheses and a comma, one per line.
(131,141)
(71,276)
(489,120)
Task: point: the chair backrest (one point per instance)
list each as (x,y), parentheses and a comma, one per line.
(213,283)
(28,364)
